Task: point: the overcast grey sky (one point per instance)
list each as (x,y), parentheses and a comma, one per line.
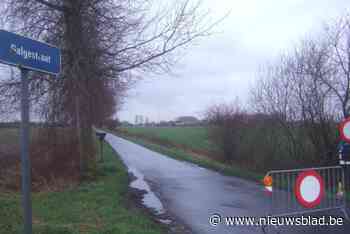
(224,66)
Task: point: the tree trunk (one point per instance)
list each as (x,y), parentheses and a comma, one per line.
(78,69)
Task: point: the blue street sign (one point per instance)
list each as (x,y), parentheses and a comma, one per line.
(27,53)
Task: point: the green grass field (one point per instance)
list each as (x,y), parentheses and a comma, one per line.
(192,137)
(97,207)
(9,136)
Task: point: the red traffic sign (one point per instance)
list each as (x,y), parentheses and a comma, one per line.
(344,130)
(309,189)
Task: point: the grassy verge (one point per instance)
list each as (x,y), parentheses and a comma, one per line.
(180,154)
(195,138)
(97,207)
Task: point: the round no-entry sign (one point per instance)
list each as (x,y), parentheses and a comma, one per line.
(344,130)
(309,189)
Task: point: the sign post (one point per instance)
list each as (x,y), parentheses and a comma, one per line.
(27,54)
(26,167)
(344,154)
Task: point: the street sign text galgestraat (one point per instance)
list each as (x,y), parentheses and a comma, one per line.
(34,55)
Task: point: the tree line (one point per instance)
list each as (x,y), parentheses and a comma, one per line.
(297,102)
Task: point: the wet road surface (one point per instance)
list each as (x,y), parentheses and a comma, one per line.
(192,194)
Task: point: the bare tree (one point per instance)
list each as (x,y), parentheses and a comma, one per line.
(338,40)
(273,95)
(226,122)
(306,91)
(313,96)
(103,43)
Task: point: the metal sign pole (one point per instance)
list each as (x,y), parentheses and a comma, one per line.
(26,168)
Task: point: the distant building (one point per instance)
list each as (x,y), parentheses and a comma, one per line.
(126,124)
(139,120)
(186,120)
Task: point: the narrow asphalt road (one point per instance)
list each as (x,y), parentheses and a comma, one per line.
(192,194)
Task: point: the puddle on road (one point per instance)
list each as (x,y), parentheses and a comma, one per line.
(150,200)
